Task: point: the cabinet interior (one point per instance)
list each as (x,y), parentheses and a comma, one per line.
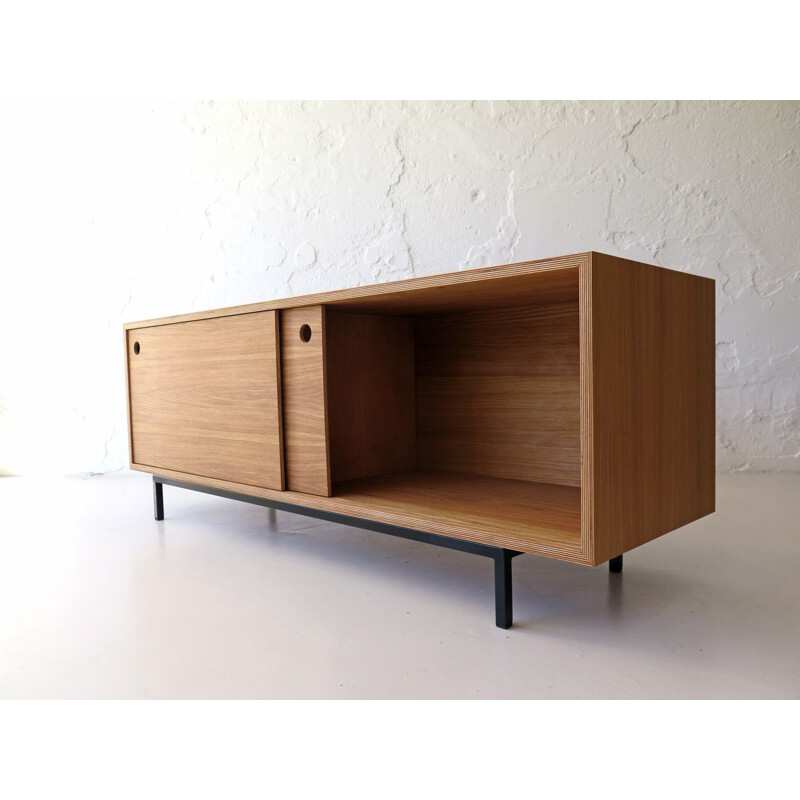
(464,409)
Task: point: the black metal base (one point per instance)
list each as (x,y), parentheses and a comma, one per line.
(615,564)
(501,556)
(158,500)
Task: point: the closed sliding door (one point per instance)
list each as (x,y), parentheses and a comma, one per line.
(205,398)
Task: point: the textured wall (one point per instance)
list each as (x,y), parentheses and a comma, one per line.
(124,212)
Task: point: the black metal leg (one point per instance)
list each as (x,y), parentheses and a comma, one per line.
(615,564)
(501,556)
(158,499)
(503,598)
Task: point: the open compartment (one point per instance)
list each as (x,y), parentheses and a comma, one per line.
(461,405)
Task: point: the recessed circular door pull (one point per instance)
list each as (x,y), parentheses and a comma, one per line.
(305,333)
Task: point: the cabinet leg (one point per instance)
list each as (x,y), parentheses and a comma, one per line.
(158,499)
(503,600)
(615,564)
(501,556)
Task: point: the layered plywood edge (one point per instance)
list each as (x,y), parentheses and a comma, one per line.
(609,441)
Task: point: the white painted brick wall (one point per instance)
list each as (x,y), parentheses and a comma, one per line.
(125,212)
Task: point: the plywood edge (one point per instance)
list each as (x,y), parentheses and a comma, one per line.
(349,509)
(279,388)
(374,290)
(325,414)
(128,396)
(586,409)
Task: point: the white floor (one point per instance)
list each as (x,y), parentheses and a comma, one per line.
(223,600)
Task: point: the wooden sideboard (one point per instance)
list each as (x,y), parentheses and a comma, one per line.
(561,407)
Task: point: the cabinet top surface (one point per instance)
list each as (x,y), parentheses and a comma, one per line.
(547,280)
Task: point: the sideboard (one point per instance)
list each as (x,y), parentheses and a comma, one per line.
(562,407)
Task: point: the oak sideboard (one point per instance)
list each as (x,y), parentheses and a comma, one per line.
(563,407)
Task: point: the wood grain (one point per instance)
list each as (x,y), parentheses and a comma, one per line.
(586,408)
(539,513)
(653,415)
(498,393)
(508,291)
(547,280)
(205,398)
(370,375)
(305,415)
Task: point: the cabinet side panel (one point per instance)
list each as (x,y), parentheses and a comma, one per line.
(371,413)
(305,420)
(653,398)
(205,400)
